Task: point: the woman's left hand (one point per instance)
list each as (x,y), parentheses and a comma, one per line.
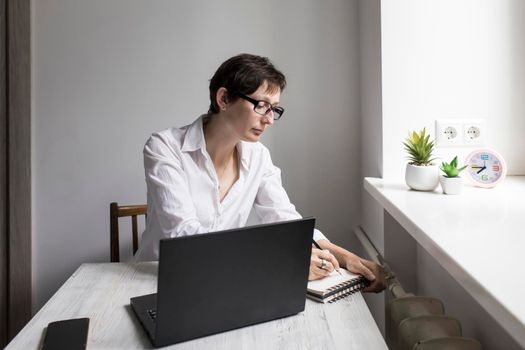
(369,269)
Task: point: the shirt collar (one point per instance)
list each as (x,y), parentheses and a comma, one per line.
(194,140)
(243,155)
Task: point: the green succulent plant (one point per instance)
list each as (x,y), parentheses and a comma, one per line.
(451,170)
(419,148)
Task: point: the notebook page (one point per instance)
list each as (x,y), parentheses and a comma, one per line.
(333,279)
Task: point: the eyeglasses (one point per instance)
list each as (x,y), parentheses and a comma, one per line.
(263,107)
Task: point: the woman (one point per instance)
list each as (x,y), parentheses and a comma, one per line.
(208,176)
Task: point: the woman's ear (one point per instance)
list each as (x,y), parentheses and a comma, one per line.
(222,98)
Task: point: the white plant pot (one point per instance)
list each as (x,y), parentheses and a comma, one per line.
(451,185)
(422,177)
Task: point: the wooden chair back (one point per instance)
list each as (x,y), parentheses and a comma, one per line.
(116,212)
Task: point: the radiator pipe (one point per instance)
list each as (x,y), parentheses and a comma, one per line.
(393,284)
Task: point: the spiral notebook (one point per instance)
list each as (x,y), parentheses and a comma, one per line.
(335,286)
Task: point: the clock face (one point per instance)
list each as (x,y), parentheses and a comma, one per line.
(485,167)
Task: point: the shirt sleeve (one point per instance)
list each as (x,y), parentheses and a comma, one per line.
(168,189)
(272,203)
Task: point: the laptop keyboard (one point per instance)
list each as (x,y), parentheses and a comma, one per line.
(152,314)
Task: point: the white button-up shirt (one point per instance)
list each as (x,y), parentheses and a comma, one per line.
(183,189)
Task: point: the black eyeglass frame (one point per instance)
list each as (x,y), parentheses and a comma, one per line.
(277,111)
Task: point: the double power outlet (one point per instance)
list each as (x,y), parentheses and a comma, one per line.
(460,132)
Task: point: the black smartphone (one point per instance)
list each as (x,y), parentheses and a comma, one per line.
(67,335)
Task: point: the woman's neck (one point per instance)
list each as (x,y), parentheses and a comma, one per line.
(220,141)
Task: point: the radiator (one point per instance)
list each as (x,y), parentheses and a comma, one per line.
(415,322)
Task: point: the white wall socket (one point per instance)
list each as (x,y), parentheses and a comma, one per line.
(448,133)
(460,132)
(474,132)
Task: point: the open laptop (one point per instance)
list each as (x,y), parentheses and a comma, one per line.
(214,282)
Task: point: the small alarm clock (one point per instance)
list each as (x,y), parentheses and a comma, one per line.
(485,167)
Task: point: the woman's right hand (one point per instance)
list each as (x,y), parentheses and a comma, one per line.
(322,263)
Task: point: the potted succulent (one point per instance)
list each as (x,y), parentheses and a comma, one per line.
(421,174)
(451,182)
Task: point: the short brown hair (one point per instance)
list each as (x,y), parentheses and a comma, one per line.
(244,73)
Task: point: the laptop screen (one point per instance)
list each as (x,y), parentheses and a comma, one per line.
(213,282)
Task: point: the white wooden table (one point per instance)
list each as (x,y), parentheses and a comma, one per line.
(102,292)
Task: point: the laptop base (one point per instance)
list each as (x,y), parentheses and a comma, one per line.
(142,306)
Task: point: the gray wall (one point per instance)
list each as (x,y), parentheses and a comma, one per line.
(107,74)
(372,131)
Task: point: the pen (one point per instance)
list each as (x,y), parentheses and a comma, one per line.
(316,245)
(319,247)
